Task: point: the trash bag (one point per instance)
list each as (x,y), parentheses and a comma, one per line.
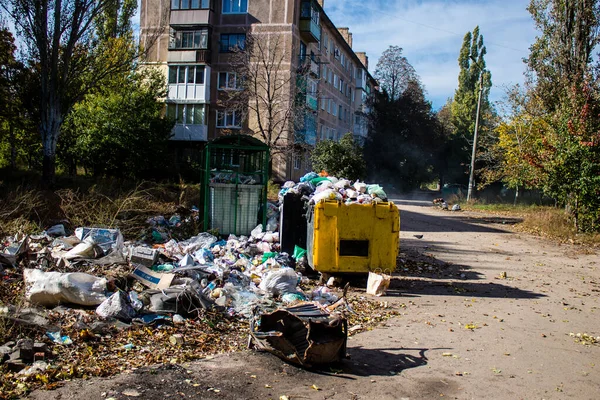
(117,306)
(299,252)
(53,288)
(280,281)
(107,239)
(376,190)
(285,260)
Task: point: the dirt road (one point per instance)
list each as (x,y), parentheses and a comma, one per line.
(486,313)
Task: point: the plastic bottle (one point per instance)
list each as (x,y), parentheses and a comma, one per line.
(209,288)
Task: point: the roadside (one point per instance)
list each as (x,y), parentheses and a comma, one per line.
(485,313)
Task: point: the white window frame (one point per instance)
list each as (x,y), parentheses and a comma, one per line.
(186,109)
(228,76)
(335,109)
(297,161)
(235,114)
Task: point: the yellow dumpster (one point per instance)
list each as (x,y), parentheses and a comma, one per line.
(352,238)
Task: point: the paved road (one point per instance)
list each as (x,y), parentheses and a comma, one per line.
(486,313)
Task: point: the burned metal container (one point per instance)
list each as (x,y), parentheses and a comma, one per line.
(306,335)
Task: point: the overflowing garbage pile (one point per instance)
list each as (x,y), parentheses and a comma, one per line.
(87,302)
(318,187)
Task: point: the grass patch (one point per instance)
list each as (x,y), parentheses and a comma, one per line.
(550,222)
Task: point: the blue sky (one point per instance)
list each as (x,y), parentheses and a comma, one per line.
(431,34)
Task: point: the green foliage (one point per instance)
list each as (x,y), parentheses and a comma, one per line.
(405,139)
(472,77)
(343,159)
(120,130)
(19,141)
(565,89)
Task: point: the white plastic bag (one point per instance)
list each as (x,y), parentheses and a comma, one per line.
(378,283)
(117,306)
(280,281)
(53,288)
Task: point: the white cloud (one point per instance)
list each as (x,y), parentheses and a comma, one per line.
(431,34)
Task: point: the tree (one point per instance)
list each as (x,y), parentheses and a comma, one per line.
(520,148)
(270,90)
(16,114)
(394,72)
(564,81)
(404,139)
(472,78)
(73,56)
(343,159)
(120,129)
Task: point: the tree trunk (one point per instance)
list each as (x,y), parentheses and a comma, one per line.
(516,196)
(50,130)
(13,147)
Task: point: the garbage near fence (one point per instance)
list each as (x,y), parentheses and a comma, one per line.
(89,290)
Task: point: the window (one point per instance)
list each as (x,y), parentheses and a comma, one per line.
(334,110)
(189,4)
(235,6)
(232,41)
(323,104)
(341,85)
(340,112)
(330,76)
(335,81)
(329,106)
(186,74)
(324,40)
(297,161)
(352,94)
(229,81)
(229,119)
(187,114)
(197,39)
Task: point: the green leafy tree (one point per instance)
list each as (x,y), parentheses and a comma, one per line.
(343,159)
(73,53)
(17,133)
(472,78)
(121,130)
(563,79)
(405,140)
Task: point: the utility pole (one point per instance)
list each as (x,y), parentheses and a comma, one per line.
(474,152)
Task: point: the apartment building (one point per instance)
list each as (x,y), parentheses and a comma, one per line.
(192,41)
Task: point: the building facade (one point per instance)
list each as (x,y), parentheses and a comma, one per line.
(192,42)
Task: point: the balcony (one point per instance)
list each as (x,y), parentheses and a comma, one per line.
(191,17)
(190,133)
(311,101)
(308,64)
(310,25)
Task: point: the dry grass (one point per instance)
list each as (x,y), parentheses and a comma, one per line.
(27,211)
(543,221)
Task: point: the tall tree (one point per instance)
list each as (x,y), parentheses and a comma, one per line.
(394,72)
(63,39)
(472,78)
(564,80)
(404,139)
